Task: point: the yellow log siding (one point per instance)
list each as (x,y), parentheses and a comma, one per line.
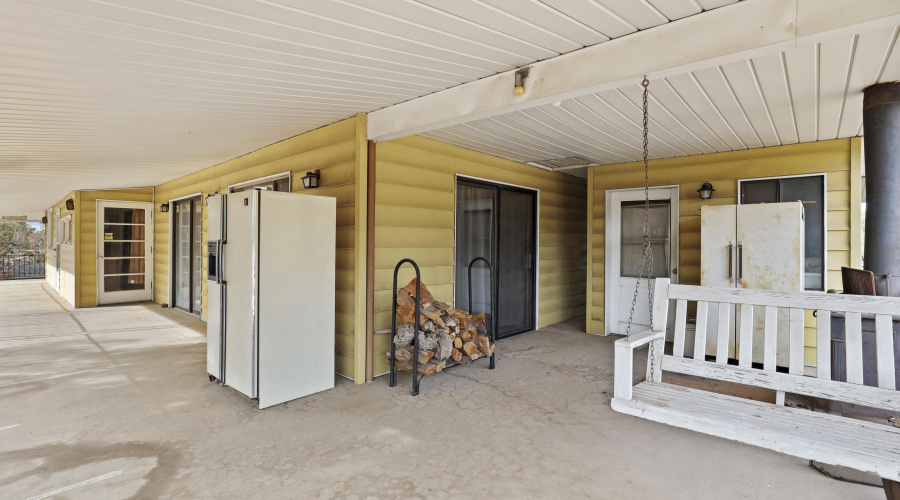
(335,151)
(68,264)
(839,159)
(87,234)
(414,218)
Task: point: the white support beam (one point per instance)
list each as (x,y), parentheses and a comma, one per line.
(733,33)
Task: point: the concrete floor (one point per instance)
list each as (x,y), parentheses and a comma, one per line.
(114,402)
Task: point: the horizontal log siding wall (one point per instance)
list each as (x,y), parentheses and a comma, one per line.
(333,150)
(68,263)
(87,215)
(838,158)
(414,217)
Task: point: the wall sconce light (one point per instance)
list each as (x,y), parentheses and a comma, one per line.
(70,204)
(311,179)
(706,191)
(44,219)
(521,75)
(164,207)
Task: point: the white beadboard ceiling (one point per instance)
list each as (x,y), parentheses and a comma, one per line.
(806,94)
(125,93)
(103,94)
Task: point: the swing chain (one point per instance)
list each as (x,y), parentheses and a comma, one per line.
(647,250)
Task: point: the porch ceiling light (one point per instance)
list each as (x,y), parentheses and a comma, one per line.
(164,207)
(70,204)
(706,191)
(521,75)
(311,179)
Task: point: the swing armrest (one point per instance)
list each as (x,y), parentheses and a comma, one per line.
(624,361)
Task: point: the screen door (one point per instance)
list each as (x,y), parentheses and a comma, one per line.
(498,223)
(124,259)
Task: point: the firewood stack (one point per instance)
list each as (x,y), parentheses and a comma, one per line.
(447,336)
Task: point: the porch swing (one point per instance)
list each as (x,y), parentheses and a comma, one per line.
(830,439)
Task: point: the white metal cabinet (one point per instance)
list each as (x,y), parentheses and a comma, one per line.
(759,246)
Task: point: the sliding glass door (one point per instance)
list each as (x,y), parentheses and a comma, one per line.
(187,254)
(498,223)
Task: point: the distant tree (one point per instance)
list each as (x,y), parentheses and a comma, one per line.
(19,237)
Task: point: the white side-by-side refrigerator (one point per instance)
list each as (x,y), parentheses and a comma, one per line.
(271,293)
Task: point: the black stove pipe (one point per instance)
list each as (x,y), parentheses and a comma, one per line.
(881,123)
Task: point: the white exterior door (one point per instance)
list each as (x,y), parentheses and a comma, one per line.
(124,251)
(624,248)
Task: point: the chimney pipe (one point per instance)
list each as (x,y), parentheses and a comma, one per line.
(881,123)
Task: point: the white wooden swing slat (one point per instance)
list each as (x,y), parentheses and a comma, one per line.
(817,436)
(823,344)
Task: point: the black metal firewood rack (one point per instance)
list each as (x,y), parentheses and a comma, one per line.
(416,378)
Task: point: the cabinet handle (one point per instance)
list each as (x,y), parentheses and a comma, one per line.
(731,262)
(740,262)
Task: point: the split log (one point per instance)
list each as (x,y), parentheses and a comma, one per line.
(477,320)
(445,346)
(404,335)
(457,343)
(403,297)
(426,295)
(484,345)
(404,355)
(450,321)
(456,355)
(465,336)
(469,348)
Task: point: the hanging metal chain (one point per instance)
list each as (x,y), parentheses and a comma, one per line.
(646,249)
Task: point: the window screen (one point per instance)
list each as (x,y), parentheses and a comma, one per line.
(810,190)
(633,238)
(282,185)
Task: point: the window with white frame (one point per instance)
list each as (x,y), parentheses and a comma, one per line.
(64,230)
(810,189)
(278,182)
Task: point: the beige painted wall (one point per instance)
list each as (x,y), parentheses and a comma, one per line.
(415,214)
(839,159)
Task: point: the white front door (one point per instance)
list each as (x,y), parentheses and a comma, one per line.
(624,248)
(124,251)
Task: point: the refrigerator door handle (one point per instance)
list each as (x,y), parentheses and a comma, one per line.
(740,262)
(731,261)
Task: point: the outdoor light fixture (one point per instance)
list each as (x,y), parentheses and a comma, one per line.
(521,75)
(311,179)
(44,220)
(164,207)
(70,204)
(706,191)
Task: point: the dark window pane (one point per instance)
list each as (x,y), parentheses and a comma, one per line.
(759,191)
(123,266)
(633,239)
(123,232)
(123,283)
(113,215)
(116,249)
(810,189)
(282,185)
